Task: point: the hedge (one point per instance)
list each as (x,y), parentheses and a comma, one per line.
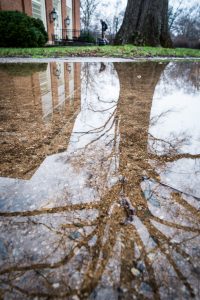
(19,30)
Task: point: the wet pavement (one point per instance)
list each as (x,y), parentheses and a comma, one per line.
(100,180)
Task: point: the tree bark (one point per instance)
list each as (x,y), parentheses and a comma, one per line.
(145,23)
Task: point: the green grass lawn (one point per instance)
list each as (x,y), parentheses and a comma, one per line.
(127,51)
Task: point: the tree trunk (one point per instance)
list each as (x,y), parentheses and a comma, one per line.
(145,23)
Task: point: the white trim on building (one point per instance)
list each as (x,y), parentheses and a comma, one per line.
(70,15)
(39,11)
(58,21)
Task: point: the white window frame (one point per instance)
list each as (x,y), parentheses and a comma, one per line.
(41,12)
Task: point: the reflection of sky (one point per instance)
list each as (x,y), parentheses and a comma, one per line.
(99,97)
(179,112)
(175,120)
(88,166)
(183,174)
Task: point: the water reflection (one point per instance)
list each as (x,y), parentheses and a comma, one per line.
(174,132)
(172,193)
(100,183)
(82,172)
(37,113)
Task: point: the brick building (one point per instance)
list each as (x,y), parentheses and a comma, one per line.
(67,19)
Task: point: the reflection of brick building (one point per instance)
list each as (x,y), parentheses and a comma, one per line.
(68,13)
(37,114)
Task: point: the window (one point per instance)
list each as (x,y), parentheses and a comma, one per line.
(70,15)
(39,11)
(58,22)
(46,94)
(69,3)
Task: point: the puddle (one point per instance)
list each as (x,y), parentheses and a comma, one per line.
(100,180)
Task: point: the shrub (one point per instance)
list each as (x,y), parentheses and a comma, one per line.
(19,30)
(87,36)
(184,42)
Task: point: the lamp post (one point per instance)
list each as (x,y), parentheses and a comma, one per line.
(53,15)
(69,68)
(67,21)
(57,72)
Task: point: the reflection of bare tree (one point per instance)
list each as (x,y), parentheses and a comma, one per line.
(166,214)
(87,250)
(163,146)
(183,76)
(167,147)
(174,149)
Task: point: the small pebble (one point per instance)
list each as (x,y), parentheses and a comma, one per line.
(56,285)
(135,272)
(76,250)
